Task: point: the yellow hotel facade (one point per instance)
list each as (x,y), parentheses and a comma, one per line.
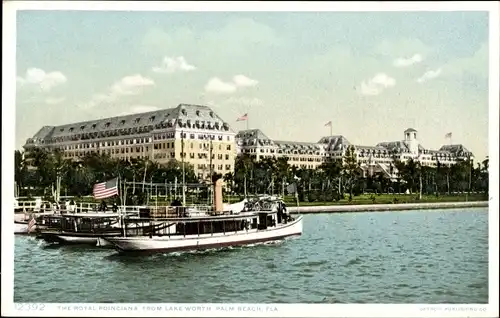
(194,132)
(198,135)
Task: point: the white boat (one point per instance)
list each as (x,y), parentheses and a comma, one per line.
(265,219)
(86,228)
(172,243)
(21,221)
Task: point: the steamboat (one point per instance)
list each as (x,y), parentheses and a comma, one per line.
(261,220)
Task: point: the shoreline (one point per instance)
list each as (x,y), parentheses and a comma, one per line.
(386,207)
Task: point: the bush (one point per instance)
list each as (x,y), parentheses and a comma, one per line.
(312,196)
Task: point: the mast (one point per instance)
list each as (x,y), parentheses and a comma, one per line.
(145,167)
(183,170)
(420,180)
(297,196)
(245,185)
(211,171)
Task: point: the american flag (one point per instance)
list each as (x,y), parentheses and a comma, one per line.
(448,135)
(242,118)
(329,123)
(31,223)
(106,189)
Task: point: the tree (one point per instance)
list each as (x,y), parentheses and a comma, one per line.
(350,170)
(244,166)
(20,171)
(332,171)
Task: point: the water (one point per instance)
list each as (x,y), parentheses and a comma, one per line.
(438,256)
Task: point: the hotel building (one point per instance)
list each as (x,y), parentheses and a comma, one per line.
(372,159)
(192,132)
(198,135)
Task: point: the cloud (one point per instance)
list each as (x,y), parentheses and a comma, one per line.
(136,109)
(429,75)
(377,84)
(243,81)
(54,100)
(127,86)
(404,62)
(174,64)
(218,86)
(45,81)
(131,85)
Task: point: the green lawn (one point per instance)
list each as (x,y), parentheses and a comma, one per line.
(390,198)
(361,199)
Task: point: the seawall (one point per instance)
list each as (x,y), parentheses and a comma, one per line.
(386,207)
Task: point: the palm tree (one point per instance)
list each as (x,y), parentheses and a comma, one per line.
(20,171)
(350,170)
(244,167)
(332,170)
(228,180)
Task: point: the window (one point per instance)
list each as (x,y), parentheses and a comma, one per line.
(137,120)
(61,130)
(94,126)
(82,127)
(197,113)
(123,122)
(71,129)
(152,118)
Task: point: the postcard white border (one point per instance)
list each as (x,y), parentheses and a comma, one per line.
(230,310)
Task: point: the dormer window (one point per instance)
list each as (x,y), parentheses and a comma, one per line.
(184,112)
(61,130)
(107,124)
(152,118)
(137,120)
(123,122)
(71,129)
(82,127)
(197,113)
(94,126)
(212,114)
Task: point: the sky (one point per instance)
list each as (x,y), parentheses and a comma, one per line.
(373,74)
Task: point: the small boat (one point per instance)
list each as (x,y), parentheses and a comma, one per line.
(263,219)
(85,228)
(22,220)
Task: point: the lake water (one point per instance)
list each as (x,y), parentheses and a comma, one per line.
(438,256)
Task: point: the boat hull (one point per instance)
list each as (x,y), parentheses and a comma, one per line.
(86,238)
(74,239)
(174,243)
(21,228)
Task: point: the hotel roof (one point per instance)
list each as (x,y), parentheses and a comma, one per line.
(182,116)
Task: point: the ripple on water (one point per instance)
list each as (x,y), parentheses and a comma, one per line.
(341,258)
